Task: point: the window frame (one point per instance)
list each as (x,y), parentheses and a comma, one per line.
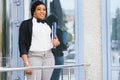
(79,39)
(104,39)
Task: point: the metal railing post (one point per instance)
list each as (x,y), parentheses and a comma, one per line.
(69,74)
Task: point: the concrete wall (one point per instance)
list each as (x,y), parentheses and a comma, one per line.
(92,38)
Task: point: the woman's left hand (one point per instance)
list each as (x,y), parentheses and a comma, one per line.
(55,42)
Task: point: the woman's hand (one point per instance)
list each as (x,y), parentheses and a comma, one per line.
(29,72)
(55,42)
(26,63)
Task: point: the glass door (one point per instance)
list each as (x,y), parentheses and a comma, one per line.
(114,31)
(65,12)
(68,8)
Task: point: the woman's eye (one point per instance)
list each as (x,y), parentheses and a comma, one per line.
(38,9)
(44,9)
(41,9)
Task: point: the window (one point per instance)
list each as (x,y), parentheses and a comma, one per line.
(111,51)
(114,39)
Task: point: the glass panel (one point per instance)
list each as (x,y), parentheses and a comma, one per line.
(115,75)
(64,10)
(27,7)
(68,17)
(68,74)
(0,28)
(115,32)
(4,61)
(69,55)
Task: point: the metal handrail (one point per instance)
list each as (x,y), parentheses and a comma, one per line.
(4,69)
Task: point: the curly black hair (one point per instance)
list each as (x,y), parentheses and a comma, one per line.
(34,5)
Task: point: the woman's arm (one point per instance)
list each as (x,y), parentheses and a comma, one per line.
(26,63)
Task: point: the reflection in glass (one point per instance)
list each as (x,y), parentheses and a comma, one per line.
(3,59)
(115,32)
(2,30)
(68,18)
(115,75)
(65,15)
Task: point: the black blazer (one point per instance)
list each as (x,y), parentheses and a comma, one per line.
(25,35)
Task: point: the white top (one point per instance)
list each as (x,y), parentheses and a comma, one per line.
(41,39)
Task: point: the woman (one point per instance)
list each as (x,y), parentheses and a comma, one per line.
(35,43)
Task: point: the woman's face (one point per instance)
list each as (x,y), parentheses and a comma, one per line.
(40,12)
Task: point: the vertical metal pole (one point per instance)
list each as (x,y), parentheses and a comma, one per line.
(85,72)
(69,73)
(62,74)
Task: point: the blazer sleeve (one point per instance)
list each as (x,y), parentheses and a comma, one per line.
(22,38)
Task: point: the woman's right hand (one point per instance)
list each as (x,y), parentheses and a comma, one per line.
(29,72)
(26,63)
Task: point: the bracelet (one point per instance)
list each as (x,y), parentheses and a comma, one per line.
(26,63)
(58,42)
